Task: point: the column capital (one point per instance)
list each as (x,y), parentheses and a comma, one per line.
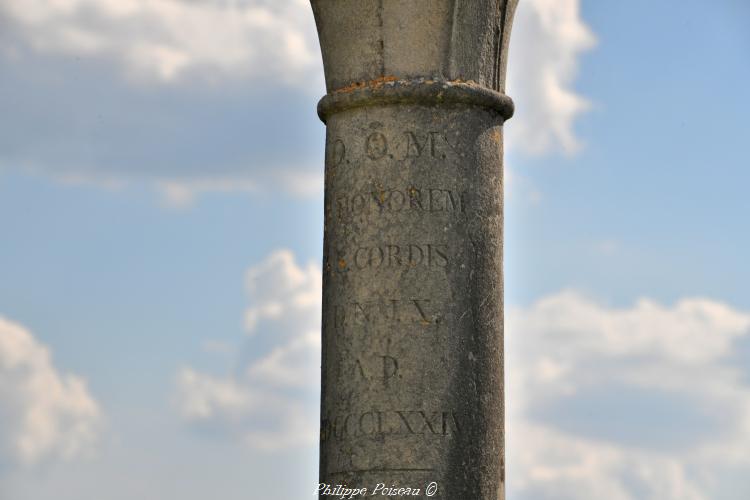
(446,40)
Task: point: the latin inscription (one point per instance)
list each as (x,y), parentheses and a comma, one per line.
(393,311)
(377,147)
(390,256)
(337,152)
(389,423)
(382,368)
(378,144)
(398,200)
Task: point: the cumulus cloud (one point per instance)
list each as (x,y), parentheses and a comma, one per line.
(553,465)
(270,399)
(182,193)
(645,402)
(634,403)
(168,40)
(189,98)
(548,39)
(234,406)
(284,297)
(44,414)
(216,96)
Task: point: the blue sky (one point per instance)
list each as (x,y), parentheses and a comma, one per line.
(161,236)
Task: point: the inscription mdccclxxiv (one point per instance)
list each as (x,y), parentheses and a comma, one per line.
(389,423)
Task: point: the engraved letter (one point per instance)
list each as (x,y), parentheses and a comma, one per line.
(413,147)
(376,146)
(424,319)
(415,198)
(359,370)
(405,421)
(338,152)
(415,260)
(394,255)
(390,368)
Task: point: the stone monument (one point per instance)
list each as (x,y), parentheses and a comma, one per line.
(412,368)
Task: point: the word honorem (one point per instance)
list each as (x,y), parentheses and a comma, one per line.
(344,492)
(396,200)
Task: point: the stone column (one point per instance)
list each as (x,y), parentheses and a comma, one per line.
(412,369)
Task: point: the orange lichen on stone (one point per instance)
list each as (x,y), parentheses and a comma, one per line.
(381,81)
(459,81)
(373,84)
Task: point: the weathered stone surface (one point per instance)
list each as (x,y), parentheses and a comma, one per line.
(412,371)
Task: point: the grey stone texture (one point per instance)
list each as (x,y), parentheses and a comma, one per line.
(412,368)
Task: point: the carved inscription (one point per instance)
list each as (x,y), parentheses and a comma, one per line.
(392,311)
(398,200)
(360,193)
(379,144)
(415,147)
(389,423)
(382,368)
(390,256)
(337,152)
(376,146)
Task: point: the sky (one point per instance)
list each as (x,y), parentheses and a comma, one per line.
(161,242)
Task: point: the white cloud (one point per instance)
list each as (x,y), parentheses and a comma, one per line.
(165,40)
(43,414)
(290,365)
(633,403)
(190,98)
(207,113)
(284,297)
(624,403)
(547,41)
(270,401)
(548,464)
(183,193)
(263,419)
(180,194)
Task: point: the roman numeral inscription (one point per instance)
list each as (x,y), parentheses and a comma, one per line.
(375,423)
(385,312)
